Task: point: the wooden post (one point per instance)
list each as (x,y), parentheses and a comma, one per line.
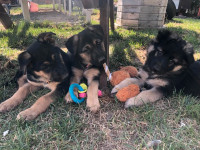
(88,15)
(112,16)
(70,7)
(59,5)
(4,18)
(54,8)
(26,13)
(104,22)
(65,7)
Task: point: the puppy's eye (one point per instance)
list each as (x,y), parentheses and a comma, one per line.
(171,62)
(98,42)
(45,65)
(159,53)
(86,48)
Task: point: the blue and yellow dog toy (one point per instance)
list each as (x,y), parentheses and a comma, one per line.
(82,89)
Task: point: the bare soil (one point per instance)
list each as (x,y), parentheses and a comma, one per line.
(53,16)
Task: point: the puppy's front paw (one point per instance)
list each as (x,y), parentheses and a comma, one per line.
(68,98)
(27,114)
(93,105)
(7,105)
(133,102)
(115,89)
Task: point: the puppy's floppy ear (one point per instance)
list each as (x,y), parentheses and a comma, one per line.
(72,44)
(188,49)
(163,35)
(46,37)
(96,29)
(24,59)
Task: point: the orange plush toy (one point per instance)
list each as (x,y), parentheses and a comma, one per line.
(120,75)
(131,70)
(127,92)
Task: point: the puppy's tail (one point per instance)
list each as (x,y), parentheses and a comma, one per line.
(46,37)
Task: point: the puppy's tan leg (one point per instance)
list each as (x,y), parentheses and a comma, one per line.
(38,107)
(92,92)
(75,79)
(22,80)
(148,96)
(127,82)
(18,97)
(92,96)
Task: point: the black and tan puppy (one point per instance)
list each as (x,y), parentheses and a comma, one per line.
(88,52)
(41,65)
(170,65)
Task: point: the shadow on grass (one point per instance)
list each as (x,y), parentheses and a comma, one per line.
(189,35)
(8,70)
(173,21)
(18,37)
(23,34)
(125,43)
(124,46)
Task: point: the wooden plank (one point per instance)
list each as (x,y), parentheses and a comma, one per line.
(128,9)
(154,2)
(104,22)
(25,10)
(129,2)
(153,17)
(130,16)
(141,13)
(153,9)
(150,24)
(140,16)
(4,18)
(127,22)
(126,27)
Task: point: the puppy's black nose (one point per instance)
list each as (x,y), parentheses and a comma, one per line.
(102,59)
(156,67)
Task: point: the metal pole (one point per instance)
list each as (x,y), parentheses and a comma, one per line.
(60,5)
(24,6)
(54,8)
(70,7)
(65,7)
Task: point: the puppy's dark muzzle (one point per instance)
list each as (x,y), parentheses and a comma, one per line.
(156,67)
(102,60)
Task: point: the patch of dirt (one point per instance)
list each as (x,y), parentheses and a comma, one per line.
(141,56)
(53,16)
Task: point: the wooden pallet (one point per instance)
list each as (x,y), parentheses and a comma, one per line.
(141,13)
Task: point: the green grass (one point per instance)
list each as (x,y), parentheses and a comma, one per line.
(72,126)
(124,43)
(50,6)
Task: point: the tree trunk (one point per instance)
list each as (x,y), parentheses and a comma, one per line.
(4,18)
(104,22)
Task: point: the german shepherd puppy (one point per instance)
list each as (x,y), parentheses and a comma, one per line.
(41,65)
(88,53)
(170,65)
